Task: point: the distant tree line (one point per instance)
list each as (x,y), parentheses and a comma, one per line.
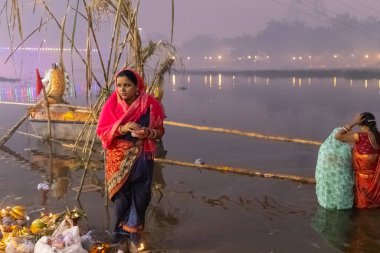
(343,35)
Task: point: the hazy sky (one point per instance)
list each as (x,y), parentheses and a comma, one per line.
(222,18)
(228,18)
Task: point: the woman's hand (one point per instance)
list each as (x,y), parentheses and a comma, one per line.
(129,127)
(357,120)
(141,133)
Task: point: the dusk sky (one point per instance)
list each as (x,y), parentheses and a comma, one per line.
(221,18)
(228,18)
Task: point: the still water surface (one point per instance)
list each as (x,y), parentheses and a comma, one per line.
(204,211)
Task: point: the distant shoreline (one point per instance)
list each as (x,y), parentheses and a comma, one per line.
(4,79)
(368,73)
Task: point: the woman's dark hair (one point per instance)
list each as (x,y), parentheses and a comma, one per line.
(129,74)
(369,121)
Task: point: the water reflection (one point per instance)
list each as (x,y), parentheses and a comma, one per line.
(335,226)
(18,94)
(349,230)
(219,81)
(58,169)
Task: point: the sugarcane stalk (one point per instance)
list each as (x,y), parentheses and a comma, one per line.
(86,167)
(9,134)
(241,171)
(238,132)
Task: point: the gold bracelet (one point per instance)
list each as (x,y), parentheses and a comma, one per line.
(152,133)
(155,134)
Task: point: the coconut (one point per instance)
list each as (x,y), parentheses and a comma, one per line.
(37,226)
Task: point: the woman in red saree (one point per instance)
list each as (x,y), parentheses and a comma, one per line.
(128,125)
(365,159)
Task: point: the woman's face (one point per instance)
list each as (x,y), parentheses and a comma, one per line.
(126,88)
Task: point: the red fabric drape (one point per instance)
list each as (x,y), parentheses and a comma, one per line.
(366,164)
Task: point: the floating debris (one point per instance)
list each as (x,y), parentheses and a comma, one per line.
(199,161)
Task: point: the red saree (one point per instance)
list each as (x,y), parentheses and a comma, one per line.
(122,154)
(367,172)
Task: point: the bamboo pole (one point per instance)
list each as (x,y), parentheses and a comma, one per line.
(241,171)
(65,145)
(52,105)
(48,111)
(8,135)
(220,168)
(86,166)
(238,132)
(203,128)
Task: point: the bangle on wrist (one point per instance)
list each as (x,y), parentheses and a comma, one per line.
(152,133)
(347,128)
(155,134)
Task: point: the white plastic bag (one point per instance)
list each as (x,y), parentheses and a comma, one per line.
(65,239)
(19,245)
(42,246)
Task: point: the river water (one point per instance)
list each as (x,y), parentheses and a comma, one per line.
(194,210)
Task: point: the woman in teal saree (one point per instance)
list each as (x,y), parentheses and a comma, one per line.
(334,175)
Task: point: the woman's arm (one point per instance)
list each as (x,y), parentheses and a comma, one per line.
(345,134)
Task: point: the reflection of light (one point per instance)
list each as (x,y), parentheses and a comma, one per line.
(210,57)
(219,57)
(366,56)
(309,80)
(294,81)
(335,56)
(173,80)
(45,49)
(365,83)
(188,57)
(220,81)
(300,58)
(240,58)
(210,77)
(205,57)
(300,82)
(294,58)
(309,56)
(254,79)
(267,56)
(249,57)
(379,83)
(334,81)
(205,79)
(188,79)
(267,80)
(351,82)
